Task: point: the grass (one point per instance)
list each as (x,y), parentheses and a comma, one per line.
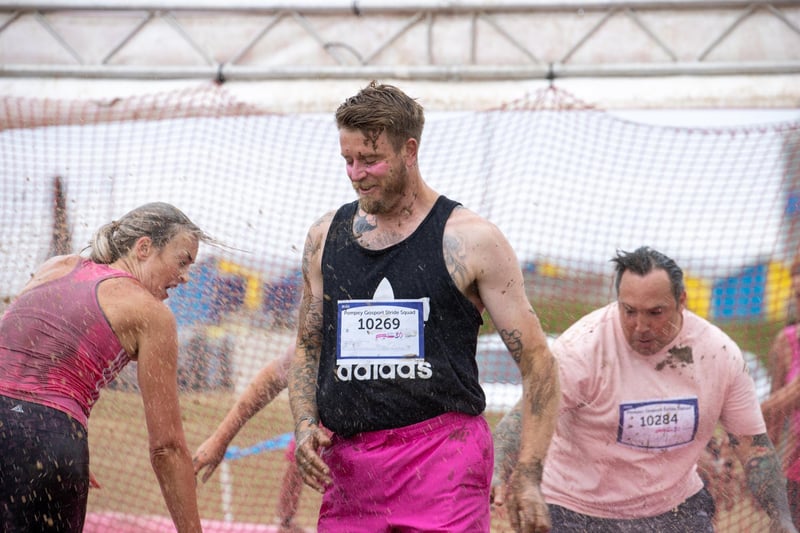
(120,461)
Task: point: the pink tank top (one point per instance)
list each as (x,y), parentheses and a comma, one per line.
(56,345)
(793,472)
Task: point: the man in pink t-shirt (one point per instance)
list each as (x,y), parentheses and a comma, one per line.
(644,383)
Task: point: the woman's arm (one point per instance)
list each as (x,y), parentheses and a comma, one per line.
(267,384)
(157,356)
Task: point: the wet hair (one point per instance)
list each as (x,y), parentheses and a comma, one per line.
(644,260)
(379,108)
(158,220)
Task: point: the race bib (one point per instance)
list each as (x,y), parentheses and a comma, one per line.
(380,331)
(658,424)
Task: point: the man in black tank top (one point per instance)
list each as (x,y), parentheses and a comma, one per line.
(395,285)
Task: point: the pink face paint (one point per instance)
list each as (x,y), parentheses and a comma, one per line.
(358,169)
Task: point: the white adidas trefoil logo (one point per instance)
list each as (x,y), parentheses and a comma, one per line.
(384,291)
(382,366)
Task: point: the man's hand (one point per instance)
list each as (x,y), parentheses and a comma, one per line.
(310,439)
(526,508)
(497,499)
(208,456)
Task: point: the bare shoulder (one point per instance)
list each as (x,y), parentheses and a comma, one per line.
(477,254)
(54,268)
(780,341)
(472,228)
(61,261)
(322,223)
(319,229)
(315,238)
(127,304)
(134,313)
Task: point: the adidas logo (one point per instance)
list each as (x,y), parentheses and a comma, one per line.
(17,408)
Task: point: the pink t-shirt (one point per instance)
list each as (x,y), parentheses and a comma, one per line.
(632,427)
(56,345)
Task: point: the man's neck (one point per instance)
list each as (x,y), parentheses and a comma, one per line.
(386,229)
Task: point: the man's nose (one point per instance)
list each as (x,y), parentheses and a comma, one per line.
(358,171)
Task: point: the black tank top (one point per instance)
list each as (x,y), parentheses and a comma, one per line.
(353,396)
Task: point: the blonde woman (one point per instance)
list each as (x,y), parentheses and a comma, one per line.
(68,334)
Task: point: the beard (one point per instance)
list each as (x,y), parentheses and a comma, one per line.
(392,189)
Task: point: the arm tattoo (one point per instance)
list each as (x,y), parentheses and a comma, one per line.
(541,389)
(455,258)
(310,248)
(507,436)
(533,470)
(311,336)
(763,476)
(303,378)
(513,341)
(303,373)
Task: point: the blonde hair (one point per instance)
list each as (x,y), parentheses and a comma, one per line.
(158,220)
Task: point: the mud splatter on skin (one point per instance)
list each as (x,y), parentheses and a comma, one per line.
(678,356)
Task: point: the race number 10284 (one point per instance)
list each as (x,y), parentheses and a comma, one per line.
(658,420)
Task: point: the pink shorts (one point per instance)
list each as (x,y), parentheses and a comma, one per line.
(434,476)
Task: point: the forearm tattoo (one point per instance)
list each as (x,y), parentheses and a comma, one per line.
(762,470)
(507,436)
(541,390)
(533,470)
(303,375)
(310,340)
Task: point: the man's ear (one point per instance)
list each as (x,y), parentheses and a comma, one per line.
(143,247)
(411,151)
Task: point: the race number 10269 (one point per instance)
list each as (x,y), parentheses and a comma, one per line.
(379,323)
